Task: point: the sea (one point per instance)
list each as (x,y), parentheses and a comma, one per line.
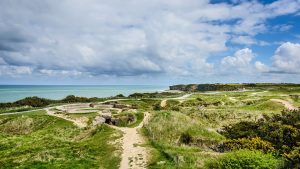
(11,93)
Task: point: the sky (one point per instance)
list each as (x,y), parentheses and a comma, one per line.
(162,42)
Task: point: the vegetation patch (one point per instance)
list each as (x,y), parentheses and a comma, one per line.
(245,159)
(35,140)
(281,130)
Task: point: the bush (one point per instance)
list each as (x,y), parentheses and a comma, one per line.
(294,158)
(120,96)
(240,130)
(244,143)
(281,130)
(245,159)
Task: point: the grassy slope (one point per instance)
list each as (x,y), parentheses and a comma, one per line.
(166,126)
(35,140)
(164,131)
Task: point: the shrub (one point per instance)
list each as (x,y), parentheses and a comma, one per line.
(282,130)
(245,159)
(244,143)
(33,102)
(294,158)
(240,130)
(120,96)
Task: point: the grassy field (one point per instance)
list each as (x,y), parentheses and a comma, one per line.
(183,134)
(35,140)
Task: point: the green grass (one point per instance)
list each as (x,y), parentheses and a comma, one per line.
(245,159)
(90,115)
(20,109)
(164,131)
(35,140)
(141,104)
(264,105)
(201,121)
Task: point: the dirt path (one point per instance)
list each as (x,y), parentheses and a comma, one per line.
(182,97)
(163,103)
(286,104)
(134,156)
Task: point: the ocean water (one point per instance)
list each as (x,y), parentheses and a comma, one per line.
(10,93)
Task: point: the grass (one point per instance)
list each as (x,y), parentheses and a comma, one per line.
(90,116)
(19,109)
(35,140)
(141,104)
(164,131)
(200,116)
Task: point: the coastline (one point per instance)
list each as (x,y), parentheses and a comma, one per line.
(11,93)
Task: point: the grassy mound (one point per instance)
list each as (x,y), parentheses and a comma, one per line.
(35,140)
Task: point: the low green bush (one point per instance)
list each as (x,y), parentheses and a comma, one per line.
(294,158)
(281,130)
(245,159)
(247,143)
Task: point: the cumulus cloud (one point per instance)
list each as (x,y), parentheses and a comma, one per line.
(129,38)
(241,60)
(287,58)
(261,67)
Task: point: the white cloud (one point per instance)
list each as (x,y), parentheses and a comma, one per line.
(287,58)
(240,60)
(261,67)
(247,40)
(60,72)
(282,27)
(14,70)
(130,38)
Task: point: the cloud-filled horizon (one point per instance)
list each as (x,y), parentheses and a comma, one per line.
(149,42)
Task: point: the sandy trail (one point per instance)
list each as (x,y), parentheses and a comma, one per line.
(182,97)
(134,156)
(163,103)
(286,104)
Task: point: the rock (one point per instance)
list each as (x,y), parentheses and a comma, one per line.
(120,106)
(115,121)
(106,111)
(125,109)
(98,120)
(111,102)
(107,117)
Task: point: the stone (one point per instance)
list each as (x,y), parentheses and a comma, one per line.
(98,120)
